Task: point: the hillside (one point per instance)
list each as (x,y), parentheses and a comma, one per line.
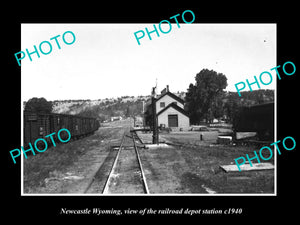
(126,106)
(103,109)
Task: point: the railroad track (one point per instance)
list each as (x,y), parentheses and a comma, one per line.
(122,168)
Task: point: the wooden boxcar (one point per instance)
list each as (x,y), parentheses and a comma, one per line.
(39,125)
(257,118)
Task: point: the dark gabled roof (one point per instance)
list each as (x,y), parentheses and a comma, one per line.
(171,95)
(175,106)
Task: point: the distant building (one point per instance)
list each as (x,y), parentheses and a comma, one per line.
(169,110)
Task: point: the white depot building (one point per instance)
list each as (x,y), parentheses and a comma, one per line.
(170,111)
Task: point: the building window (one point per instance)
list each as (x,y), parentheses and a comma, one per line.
(162,105)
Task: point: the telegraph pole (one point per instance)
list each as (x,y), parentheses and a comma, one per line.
(155,137)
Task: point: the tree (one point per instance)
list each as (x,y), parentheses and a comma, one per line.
(232,106)
(204,99)
(190,104)
(128,112)
(38,105)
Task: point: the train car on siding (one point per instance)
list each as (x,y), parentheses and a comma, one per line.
(256,118)
(39,125)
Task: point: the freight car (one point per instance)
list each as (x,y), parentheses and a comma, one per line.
(39,125)
(256,118)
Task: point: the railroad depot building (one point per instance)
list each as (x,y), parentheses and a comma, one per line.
(169,111)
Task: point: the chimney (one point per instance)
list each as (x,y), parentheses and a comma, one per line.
(165,90)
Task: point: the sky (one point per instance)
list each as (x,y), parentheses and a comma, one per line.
(106,61)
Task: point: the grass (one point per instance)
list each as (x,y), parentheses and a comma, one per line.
(58,161)
(235,182)
(37,168)
(193,166)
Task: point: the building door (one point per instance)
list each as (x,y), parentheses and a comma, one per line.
(173,120)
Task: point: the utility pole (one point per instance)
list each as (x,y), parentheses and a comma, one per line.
(143,113)
(155,137)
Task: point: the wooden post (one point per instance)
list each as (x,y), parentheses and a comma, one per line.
(144,117)
(155,138)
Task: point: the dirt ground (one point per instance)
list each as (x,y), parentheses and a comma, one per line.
(69,168)
(193,167)
(188,167)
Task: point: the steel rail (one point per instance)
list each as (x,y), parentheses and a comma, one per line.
(107,183)
(146,189)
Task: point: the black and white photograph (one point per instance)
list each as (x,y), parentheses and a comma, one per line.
(159,117)
(140,112)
